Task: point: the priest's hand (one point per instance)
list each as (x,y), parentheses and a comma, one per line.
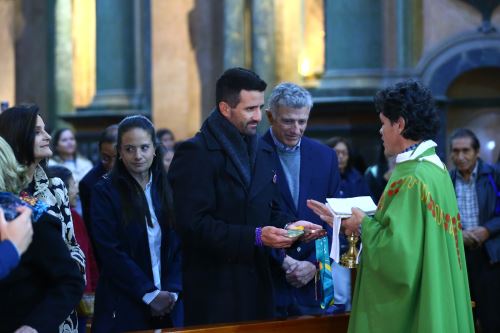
(321,210)
(301,274)
(352,224)
(311,231)
(276,238)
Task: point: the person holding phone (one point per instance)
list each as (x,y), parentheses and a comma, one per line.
(15,238)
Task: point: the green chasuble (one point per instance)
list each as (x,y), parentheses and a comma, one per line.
(412,275)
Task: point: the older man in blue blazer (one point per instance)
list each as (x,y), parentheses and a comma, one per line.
(307,170)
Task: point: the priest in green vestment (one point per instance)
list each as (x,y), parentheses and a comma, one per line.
(412,275)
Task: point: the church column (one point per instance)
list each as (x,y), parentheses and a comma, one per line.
(354,54)
(122,58)
(61,98)
(7,56)
(263,55)
(234,34)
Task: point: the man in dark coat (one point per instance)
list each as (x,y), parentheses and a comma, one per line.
(476,185)
(107,152)
(227,208)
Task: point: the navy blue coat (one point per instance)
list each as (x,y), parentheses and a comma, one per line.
(126,273)
(319,179)
(226,278)
(85,187)
(353,184)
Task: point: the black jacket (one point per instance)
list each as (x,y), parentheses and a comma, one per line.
(45,287)
(126,274)
(226,278)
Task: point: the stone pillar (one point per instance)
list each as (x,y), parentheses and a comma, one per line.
(175,79)
(122,53)
(289,42)
(353,34)
(263,55)
(34,54)
(354,54)
(84,52)
(411,16)
(234,34)
(62,90)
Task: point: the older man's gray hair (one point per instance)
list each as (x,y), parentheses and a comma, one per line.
(289,95)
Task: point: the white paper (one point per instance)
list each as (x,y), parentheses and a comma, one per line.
(335,250)
(342,206)
(359,252)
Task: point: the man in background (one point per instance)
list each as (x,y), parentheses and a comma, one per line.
(476,186)
(107,152)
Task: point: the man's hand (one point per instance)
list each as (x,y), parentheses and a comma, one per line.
(311,231)
(162,304)
(481,234)
(276,238)
(321,210)
(289,264)
(19,231)
(470,240)
(351,225)
(302,273)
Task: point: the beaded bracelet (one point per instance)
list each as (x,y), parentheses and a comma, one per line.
(258,237)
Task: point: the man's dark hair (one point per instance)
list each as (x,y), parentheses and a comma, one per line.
(465,133)
(332,142)
(412,101)
(17,127)
(233,81)
(61,172)
(164,131)
(109,135)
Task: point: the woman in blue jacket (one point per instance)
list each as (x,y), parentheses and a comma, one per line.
(140,281)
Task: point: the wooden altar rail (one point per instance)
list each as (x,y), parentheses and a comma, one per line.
(323,324)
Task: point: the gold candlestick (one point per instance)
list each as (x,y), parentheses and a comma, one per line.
(348,259)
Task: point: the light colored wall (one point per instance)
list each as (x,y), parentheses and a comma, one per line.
(299,38)
(7,51)
(84,48)
(288,39)
(175,81)
(448,18)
